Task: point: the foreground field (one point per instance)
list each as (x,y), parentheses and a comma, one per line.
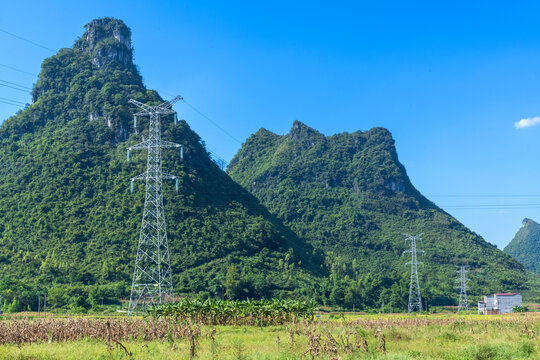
(387,336)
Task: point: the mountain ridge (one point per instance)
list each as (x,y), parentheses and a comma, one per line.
(350,197)
(68,224)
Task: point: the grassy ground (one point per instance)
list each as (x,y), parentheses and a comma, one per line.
(515,336)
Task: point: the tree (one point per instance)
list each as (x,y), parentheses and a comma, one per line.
(233,284)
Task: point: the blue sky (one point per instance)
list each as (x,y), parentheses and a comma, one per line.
(449,80)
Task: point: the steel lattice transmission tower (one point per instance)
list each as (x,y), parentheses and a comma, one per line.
(463,301)
(152,277)
(415,299)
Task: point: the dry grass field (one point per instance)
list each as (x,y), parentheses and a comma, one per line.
(390,336)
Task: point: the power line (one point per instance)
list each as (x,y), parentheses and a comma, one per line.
(5,102)
(15,88)
(15,84)
(495,208)
(482,196)
(14,101)
(18,70)
(212,121)
(249,194)
(28,41)
(216,155)
(492,205)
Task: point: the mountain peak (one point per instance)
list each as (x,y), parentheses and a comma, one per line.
(106,40)
(298,124)
(525,246)
(350,197)
(301,131)
(81,124)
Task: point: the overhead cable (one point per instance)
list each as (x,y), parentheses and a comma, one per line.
(28,41)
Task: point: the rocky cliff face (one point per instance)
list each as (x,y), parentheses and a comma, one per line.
(107,40)
(91,81)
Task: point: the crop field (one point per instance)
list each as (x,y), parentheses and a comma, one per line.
(226,312)
(389,336)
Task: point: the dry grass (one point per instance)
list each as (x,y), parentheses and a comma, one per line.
(371,337)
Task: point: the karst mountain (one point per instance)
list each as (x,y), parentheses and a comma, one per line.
(301,215)
(351,198)
(66,212)
(525,246)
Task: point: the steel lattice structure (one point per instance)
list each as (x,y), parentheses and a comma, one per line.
(415,298)
(152,277)
(463,301)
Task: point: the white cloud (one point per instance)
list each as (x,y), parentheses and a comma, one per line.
(528,122)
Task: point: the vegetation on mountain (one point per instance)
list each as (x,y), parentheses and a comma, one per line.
(68,224)
(351,198)
(525,246)
(339,205)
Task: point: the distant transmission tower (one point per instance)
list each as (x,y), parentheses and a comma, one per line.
(152,277)
(463,301)
(415,299)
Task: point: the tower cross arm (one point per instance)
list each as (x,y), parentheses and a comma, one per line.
(140,146)
(167,105)
(169,176)
(415,251)
(413,263)
(139,177)
(140,105)
(168,144)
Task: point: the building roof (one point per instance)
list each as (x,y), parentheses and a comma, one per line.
(507,294)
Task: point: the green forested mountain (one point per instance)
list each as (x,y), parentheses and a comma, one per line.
(66,212)
(525,246)
(339,205)
(351,198)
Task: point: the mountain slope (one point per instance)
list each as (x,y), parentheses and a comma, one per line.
(351,198)
(525,246)
(66,212)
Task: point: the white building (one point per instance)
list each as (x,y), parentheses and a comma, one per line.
(490,302)
(500,303)
(481,307)
(506,302)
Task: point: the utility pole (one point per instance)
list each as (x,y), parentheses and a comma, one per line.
(463,301)
(152,277)
(415,299)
